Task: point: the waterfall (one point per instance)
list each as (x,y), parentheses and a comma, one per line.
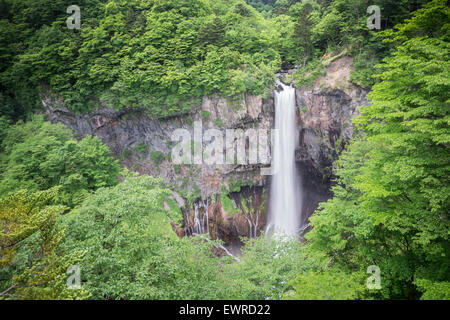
(285,193)
(201,217)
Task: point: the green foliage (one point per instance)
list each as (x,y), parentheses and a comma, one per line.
(126,153)
(132,252)
(150,54)
(284,38)
(28,231)
(205,114)
(391,204)
(38,155)
(327,285)
(364,66)
(4,125)
(270,4)
(218,122)
(228,204)
(308,75)
(433,290)
(265,269)
(308,17)
(141,147)
(157,157)
(213,32)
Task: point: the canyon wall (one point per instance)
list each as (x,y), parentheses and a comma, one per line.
(229,201)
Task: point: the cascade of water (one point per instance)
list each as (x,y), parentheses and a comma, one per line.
(196,220)
(201,217)
(285,192)
(206,215)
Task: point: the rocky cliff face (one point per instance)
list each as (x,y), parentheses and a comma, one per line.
(325,112)
(145,145)
(229,201)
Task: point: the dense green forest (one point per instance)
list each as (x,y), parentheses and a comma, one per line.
(65,200)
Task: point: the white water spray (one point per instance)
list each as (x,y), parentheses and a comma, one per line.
(285,194)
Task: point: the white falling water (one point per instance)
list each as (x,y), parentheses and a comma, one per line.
(201,217)
(285,195)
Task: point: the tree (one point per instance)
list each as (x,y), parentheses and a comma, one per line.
(307,18)
(4,125)
(391,204)
(264,270)
(286,41)
(328,285)
(145,54)
(213,32)
(132,251)
(29,231)
(433,290)
(39,155)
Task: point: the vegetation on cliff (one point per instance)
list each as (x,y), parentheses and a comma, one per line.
(161,55)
